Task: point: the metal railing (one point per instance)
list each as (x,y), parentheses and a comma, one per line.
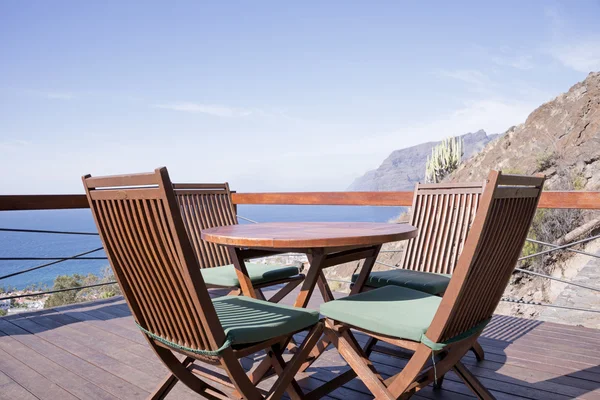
(584,200)
(58,260)
(565,247)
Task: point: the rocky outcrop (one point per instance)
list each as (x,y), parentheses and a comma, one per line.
(405,167)
(560,138)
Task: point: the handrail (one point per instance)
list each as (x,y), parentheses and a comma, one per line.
(550,199)
(43,202)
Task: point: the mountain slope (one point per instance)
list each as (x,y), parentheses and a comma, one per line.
(405,167)
(561,139)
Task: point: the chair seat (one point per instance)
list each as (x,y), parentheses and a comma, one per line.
(247,320)
(424,281)
(390,310)
(259,273)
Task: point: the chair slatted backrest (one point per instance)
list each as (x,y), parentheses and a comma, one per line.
(508,205)
(444,214)
(144,237)
(203,206)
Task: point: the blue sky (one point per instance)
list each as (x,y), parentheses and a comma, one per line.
(269,95)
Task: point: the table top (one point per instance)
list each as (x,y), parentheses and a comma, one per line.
(297,235)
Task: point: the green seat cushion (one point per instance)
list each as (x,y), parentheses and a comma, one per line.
(424,281)
(390,310)
(247,320)
(259,273)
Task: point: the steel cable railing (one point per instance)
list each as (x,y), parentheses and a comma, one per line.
(45,231)
(56,260)
(81,256)
(49,264)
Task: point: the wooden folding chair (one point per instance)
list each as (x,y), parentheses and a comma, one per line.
(443,329)
(208,205)
(444,213)
(144,236)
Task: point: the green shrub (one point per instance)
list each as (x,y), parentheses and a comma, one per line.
(2,312)
(545,161)
(579,182)
(68,297)
(76,281)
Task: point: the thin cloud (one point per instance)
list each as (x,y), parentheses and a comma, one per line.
(52,95)
(579,51)
(522,62)
(13,144)
(210,109)
(477,81)
(471,76)
(583,56)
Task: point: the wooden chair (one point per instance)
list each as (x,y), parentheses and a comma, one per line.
(444,213)
(440,329)
(206,206)
(144,236)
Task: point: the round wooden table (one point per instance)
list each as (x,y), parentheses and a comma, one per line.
(326,244)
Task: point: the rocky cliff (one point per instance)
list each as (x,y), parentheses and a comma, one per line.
(560,139)
(405,167)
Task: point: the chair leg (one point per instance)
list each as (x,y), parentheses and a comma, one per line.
(359,363)
(472,382)
(259,294)
(168,382)
(277,297)
(478,351)
(401,383)
(294,390)
(284,382)
(179,372)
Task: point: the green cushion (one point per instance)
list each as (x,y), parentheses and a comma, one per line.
(247,320)
(259,273)
(389,310)
(424,281)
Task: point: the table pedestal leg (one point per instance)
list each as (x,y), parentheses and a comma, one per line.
(316,258)
(365,271)
(242,273)
(328,296)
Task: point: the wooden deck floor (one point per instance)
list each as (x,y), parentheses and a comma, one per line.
(94,351)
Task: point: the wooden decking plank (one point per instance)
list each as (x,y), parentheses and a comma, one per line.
(549,390)
(132,375)
(105,380)
(54,372)
(31,380)
(130,332)
(11,390)
(116,341)
(542,363)
(558,350)
(544,382)
(114,349)
(525,359)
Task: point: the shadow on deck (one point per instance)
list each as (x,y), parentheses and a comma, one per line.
(94,351)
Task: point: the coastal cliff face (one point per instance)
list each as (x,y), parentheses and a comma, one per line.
(560,139)
(405,167)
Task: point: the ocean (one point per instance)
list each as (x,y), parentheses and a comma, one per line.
(17,244)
